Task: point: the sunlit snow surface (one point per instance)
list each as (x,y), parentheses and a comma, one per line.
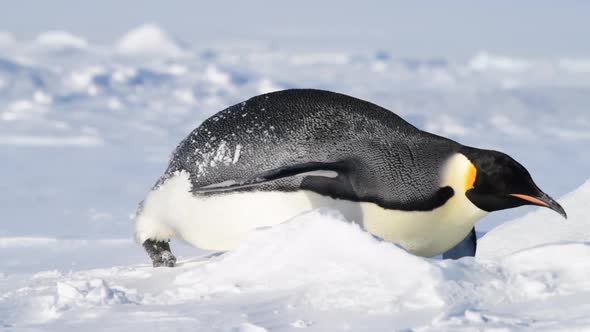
(86,129)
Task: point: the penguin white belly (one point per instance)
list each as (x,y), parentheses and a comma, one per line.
(424,233)
(217,222)
(222,221)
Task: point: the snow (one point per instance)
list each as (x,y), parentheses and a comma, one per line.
(485,61)
(305,272)
(51,140)
(86,129)
(61,39)
(148,40)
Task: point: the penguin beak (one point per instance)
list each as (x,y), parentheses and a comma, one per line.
(543,199)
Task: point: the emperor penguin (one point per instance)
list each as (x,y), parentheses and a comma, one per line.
(263,161)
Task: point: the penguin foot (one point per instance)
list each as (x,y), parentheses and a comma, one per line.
(159,252)
(466,248)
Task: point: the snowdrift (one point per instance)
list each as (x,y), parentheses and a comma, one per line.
(318,266)
(149,40)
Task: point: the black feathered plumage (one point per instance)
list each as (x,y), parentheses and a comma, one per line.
(268,141)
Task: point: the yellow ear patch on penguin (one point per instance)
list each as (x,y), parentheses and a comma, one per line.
(470,176)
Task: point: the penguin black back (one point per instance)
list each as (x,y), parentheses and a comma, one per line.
(264,142)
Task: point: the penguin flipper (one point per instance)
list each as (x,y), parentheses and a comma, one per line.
(466,247)
(313,169)
(340,180)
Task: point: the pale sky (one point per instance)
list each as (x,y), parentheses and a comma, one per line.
(409,28)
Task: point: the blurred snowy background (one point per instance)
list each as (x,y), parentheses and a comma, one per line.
(95,95)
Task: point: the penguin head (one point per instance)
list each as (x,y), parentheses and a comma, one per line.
(498,182)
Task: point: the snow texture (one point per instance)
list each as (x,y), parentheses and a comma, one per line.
(86,129)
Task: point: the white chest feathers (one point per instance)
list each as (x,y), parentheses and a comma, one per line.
(222,221)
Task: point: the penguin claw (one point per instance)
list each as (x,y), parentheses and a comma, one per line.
(160,253)
(168,259)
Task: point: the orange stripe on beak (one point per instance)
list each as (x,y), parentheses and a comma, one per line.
(530,199)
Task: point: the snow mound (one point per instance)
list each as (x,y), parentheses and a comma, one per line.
(552,269)
(95,292)
(149,40)
(61,39)
(314,252)
(327,263)
(541,227)
(317,263)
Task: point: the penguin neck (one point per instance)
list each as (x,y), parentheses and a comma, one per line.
(459,173)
